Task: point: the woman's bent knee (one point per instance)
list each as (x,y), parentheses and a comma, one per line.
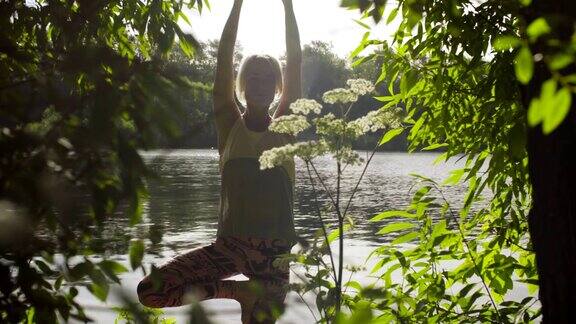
(146,294)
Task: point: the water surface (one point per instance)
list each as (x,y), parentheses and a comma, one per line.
(183,204)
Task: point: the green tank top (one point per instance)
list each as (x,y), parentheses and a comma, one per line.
(255,203)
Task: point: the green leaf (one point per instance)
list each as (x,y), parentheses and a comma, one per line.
(439,229)
(535,115)
(532,284)
(558,111)
(392,15)
(547,93)
(423,178)
(30,312)
(186,41)
(395,227)
(199,5)
(538,28)
(524,66)
(540,107)
(377,266)
(336,233)
(560,61)
(44,267)
(407,83)
(455,176)
(359,22)
(391,134)
(464,291)
(112,266)
(136,210)
(362,314)
(354,284)
(517,140)
(136,253)
(80,270)
(419,123)
(362,60)
(165,39)
(361,46)
(392,213)
(570,78)
(434,146)
(58,282)
(402,259)
(184,17)
(406,238)
(99,290)
(506,42)
(386,98)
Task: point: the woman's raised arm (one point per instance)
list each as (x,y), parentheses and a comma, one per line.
(225,109)
(292,89)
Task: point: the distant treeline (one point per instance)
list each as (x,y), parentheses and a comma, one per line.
(322,70)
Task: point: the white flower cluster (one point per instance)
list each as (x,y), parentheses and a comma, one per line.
(329,124)
(305,106)
(304,150)
(360,86)
(340,95)
(355,130)
(275,156)
(348,156)
(311,149)
(289,124)
(382,118)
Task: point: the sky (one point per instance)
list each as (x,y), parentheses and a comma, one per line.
(261,28)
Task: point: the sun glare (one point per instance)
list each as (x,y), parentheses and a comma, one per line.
(261,28)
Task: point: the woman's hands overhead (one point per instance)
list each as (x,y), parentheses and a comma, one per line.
(226,111)
(292,76)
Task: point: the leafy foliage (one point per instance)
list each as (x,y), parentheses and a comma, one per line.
(459,65)
(82,87)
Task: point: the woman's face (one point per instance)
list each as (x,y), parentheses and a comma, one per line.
(260,84)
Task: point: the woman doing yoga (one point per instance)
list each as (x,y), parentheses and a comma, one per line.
(256,222)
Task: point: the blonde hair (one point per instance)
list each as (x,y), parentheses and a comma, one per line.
(241,78)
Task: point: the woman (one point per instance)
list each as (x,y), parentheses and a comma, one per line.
(255,222)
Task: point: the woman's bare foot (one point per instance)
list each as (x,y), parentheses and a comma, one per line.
(247,297)
(257,296)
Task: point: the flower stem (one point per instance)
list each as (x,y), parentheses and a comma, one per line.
(324,231)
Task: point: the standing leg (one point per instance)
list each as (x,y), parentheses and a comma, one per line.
(199,271)
(262,298)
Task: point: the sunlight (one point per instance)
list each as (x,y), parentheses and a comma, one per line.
(429,179)
(261,27)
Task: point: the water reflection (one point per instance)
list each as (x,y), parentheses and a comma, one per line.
(183,205)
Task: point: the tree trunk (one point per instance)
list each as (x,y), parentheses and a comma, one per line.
(552,167)
(552,219)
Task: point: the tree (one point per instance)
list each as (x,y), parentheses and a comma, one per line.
(494,81)
(322,69)
(197,128)
(370,67)
(550,151)
(82,87)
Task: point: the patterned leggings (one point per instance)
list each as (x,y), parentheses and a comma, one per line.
(201,271)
